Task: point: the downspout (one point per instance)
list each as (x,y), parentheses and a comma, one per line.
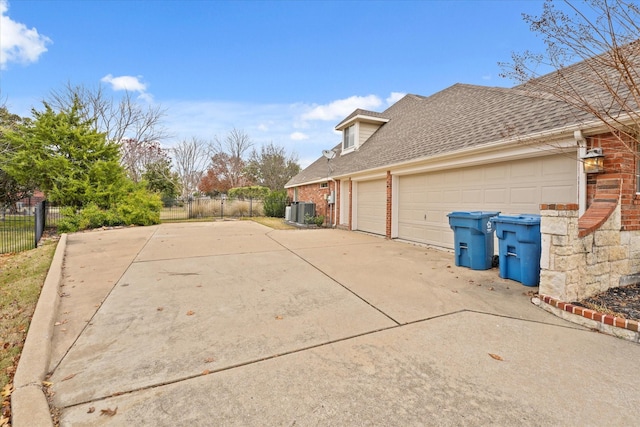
(335,202)
(582,177)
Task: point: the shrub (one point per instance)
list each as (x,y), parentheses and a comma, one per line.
(274,204)
(69,221)
(253,192)
(140,208)
(94,217)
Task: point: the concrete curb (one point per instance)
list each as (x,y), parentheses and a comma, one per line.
(605,323)
(29,406)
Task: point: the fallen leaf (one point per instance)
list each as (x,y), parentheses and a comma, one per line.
(454,291)
(279,317)
(7,390)
(190,313)
(209,360)
(206,372)
(68,377)
(91,410)
(109,412)
(495,356)
(491,288)
(47,383)
(160,308)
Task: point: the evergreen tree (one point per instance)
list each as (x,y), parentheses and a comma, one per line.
(67,158)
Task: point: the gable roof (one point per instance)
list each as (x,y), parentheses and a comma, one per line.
(365,113)
(456,118)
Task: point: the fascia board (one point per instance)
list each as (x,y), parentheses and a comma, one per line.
(315,181)
(360,118)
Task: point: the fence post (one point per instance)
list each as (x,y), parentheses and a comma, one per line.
(37,224)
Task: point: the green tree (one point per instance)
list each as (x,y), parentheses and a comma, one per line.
(162,180)
(67,158)
(271,167)
(11,190)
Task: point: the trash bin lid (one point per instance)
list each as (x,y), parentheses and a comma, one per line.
(472,214)
(525,219)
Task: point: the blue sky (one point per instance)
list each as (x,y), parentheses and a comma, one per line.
(283,71)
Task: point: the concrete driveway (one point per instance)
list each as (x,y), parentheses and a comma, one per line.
(232,323)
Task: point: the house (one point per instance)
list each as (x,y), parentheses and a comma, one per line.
(27,205)
(399,172)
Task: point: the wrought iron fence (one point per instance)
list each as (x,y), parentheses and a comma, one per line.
(21,230)
(203,208)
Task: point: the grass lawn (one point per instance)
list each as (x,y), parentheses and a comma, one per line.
(21,278)
(275,223)
(17,233)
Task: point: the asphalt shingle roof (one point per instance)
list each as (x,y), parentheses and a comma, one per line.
(458,117)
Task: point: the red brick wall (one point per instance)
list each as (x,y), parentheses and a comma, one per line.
(619,162)
(316,194)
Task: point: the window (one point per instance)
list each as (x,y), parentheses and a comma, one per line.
(324,185)
(349,137)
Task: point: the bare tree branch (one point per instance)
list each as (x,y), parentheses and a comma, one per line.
(191,160)
(604,36)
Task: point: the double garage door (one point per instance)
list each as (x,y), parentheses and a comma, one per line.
(424,200)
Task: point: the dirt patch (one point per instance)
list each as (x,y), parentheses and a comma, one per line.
(621,302)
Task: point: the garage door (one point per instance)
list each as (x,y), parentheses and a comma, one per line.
(510,187)
(371,206)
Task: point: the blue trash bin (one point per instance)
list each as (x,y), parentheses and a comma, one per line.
(473,238)
(519,247)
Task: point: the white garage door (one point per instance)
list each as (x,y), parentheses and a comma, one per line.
(371,206)
(509,187)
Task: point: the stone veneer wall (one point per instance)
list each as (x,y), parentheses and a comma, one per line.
(573,268)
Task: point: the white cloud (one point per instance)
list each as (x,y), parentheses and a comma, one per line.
(486,77)
(394,97)
(17,42)
(265,123)
(341,108)
(298,136)
(299,128)
(129,83)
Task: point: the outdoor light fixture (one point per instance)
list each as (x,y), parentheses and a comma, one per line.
(593,161)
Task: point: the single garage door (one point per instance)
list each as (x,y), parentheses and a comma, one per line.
(371,206)
(509,187)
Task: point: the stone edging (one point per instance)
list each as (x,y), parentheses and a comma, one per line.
(29,405)
(606,323)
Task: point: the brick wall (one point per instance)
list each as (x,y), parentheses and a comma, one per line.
(318,195)
(620,162)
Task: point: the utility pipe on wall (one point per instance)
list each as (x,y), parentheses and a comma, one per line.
(582,177)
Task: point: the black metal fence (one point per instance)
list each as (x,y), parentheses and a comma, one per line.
(22,230)
(203,208)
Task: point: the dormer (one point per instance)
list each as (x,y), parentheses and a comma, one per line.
(358,127)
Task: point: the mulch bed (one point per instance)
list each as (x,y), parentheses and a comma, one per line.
(620,302)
